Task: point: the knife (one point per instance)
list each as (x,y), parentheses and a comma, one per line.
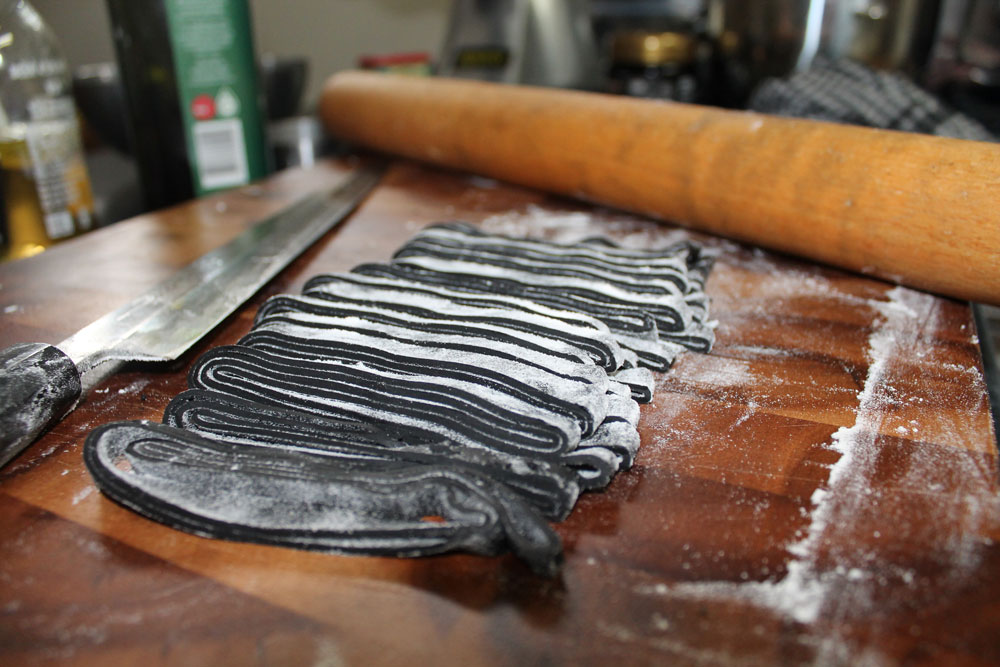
(40,383)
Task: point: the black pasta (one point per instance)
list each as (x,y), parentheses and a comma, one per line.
(454,399)
(552,488)
(301,499)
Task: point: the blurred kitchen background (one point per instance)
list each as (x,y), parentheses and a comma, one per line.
(705,51)
(328,34)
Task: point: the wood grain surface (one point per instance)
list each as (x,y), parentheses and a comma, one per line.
(905,207)
(820,489)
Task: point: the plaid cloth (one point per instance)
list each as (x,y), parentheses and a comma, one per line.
(848,92)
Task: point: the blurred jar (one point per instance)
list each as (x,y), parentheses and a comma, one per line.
(46,192)
(657,65)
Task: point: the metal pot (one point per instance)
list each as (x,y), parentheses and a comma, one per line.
(534,42)
(777,37)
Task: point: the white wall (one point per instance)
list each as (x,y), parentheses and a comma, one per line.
(82,28)
(331,34)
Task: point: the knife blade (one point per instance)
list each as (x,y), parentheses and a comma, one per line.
(41,383)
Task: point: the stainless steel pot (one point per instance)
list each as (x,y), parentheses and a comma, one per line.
(776,37)
(534,42)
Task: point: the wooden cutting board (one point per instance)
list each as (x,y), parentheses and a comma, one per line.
(821,488)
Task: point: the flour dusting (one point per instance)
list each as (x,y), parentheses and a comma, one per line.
(574,226)
(134,387)
(823,580)
(537,219)
(82,494)
(713,371)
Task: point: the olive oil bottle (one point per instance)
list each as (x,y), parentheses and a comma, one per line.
(194,105)
(43,177)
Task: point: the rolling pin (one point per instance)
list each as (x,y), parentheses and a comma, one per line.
(912,209)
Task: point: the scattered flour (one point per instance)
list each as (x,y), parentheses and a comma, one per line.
(572,226)
(82,494)
(706,369)
(811,588)
(483,182)
(536,219)
(134,387)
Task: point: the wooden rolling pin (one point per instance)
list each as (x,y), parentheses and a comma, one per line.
(913,209)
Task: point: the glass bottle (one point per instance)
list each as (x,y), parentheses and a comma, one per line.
(195,111)
(43,178)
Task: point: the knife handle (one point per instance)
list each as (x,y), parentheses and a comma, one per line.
(38,385)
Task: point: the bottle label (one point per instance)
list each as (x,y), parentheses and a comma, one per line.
(33,69)
(217,88)
(53,143)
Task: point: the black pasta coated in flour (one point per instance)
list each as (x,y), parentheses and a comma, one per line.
(592,338)
(552,488)
(461,411)
(453,400)
(578,277)
(302,499)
